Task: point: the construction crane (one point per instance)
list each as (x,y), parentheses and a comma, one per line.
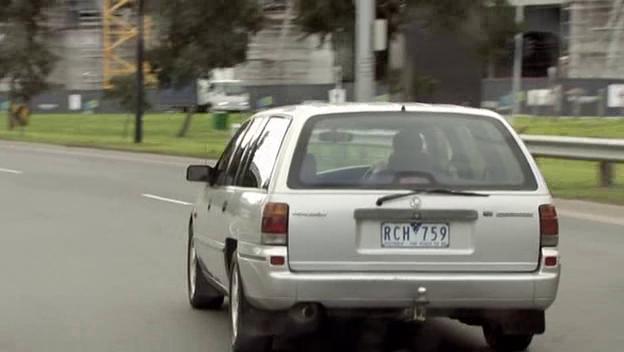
(120,31)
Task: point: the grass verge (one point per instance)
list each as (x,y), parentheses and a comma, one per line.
(116,131)
(579,180)
(573,127)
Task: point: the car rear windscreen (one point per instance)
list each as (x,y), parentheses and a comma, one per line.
(406,150)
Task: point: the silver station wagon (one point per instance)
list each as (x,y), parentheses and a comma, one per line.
(386,211)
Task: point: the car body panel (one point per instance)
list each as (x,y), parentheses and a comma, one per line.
(325,236)
(278,288)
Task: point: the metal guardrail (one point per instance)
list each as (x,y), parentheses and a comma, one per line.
(592,149)
(605,151)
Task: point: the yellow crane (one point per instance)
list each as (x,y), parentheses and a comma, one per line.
(120,32)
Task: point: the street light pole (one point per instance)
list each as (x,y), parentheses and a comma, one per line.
(138,127)
(517,66)
(364,59)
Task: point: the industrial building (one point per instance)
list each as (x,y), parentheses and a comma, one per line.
(95,40)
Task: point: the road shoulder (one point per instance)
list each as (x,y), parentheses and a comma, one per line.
(604,213)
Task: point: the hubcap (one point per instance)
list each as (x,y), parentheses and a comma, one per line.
(234,305)
(192,269)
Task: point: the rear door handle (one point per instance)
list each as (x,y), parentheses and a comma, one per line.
(225,204)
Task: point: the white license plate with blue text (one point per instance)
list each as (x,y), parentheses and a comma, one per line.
(415,235)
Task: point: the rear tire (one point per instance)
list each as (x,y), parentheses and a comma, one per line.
(242,339)
(200,293)
(502,342)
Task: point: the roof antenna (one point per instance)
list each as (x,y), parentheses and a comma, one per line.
(402,108)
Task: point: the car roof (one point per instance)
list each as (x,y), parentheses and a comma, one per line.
(306,110)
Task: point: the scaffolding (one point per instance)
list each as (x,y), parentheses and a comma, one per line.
(595,39)
(280,53)
(119,32)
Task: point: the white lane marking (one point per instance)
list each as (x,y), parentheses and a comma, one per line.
(591,217)
(11,171)
(163,199)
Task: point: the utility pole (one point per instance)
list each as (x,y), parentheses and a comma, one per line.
(517,66)
(138,127)
(364,57)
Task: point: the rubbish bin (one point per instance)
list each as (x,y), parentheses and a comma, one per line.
(220,120)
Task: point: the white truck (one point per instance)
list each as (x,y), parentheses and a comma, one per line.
(222,93)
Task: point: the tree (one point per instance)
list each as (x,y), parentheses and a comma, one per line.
(25,59)
(336,17)
(498,27)
(199,36)
(124,91)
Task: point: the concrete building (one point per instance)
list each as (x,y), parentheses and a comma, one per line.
(278,54)
(281,54)
(78,31)
(584,37)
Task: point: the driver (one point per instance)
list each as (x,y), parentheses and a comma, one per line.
(408,154)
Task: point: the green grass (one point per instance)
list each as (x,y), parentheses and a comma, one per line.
(579,180)
(108,131)
(574,127)
(567,179)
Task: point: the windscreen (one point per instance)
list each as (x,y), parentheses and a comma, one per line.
(232,88)
(409,151)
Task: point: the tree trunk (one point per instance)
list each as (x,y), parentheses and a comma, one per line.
(9,119)
(186,125)
(10,116)
(126,125)
(344,50)
(491,67)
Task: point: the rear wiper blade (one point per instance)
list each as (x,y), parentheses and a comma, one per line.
(455,193)
(389,197)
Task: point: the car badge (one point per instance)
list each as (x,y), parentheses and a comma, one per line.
(415,203)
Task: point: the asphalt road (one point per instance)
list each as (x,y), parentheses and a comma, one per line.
(92,258)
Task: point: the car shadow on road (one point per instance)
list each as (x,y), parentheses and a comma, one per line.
(436,335)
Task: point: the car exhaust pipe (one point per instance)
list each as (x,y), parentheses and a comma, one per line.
(305,313)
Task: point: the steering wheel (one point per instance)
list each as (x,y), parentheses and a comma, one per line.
(370,172)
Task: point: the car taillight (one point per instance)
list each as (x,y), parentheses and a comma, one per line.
(549,225)
(275,224)
(550,261)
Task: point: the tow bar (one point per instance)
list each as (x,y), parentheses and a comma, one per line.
(418,311)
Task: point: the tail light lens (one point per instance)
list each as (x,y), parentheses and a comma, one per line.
(275,224)
(549,225)
(550,261)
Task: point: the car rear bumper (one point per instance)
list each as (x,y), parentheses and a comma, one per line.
(277,288)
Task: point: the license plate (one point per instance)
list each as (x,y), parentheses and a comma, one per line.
(415,235)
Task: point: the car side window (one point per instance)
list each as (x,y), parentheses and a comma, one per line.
(263,154)
(236,161)
(226,157)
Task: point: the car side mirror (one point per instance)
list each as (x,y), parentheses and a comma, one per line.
(199,173)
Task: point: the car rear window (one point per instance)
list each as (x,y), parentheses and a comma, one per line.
(408,150)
